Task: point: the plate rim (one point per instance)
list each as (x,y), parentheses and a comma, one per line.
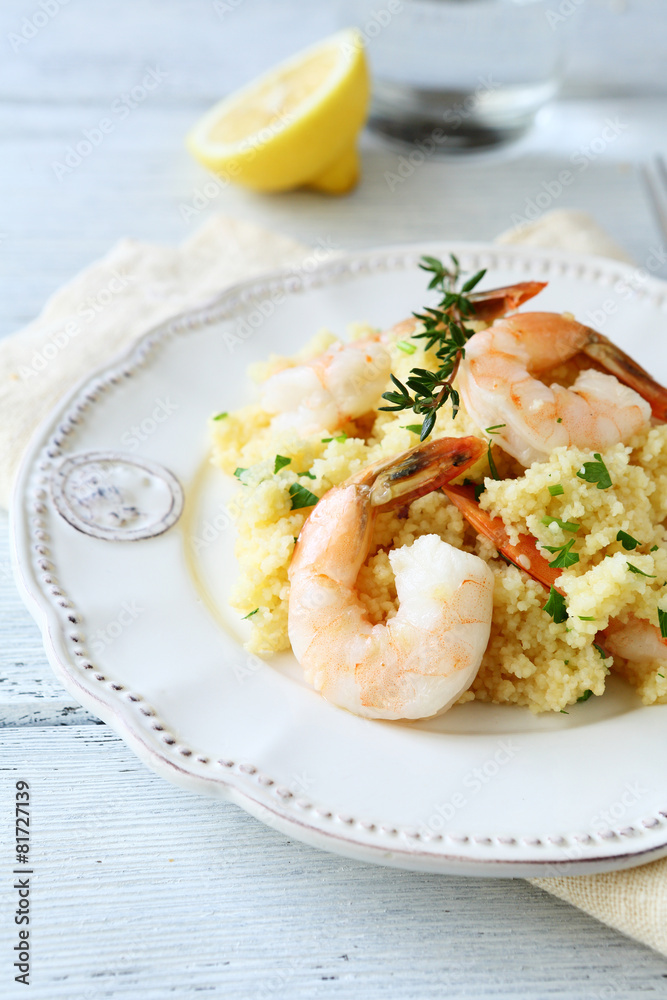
(243,789)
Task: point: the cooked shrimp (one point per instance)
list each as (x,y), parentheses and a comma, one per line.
(487,306)
(419,662)
(636,639)
(498,385)
(321,395)
(347,380)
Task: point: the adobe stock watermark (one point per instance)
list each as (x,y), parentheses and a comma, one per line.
(260,311)
(35,22)
(214,187)
(564,10)
(604,823)
(376,23)
(163,408)
(120,109)
(101,638)
(424,149)
(224,7)
(472,784)
(87,310)
(581,159)
(625,288)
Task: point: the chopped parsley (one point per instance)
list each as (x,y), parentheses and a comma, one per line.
(250,614)
(238,472)
(494,429)
(308,474)
(596,472)
(586,695)
(601,651)
(559,420)
(221,416)
(407,348)
(556,490)
(556,607)
(478,487)
(563,712)
(415,428)
(640,572)
(564,525)
(280,463)
(492,465)
(564,558)
(654,548)
(339,437)
(301,497)
(586,618)
(627,541)
(662,620)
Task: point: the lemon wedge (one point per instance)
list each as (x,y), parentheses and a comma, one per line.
(296,125)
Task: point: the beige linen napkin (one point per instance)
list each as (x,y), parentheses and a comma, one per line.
(136,286)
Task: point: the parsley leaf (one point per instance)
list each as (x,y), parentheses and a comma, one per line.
(238,472)
(308,474)
(662,619)
(627,540)
(556,607)
(564,558)
(564,525)
(596,472)
(280,463)
(557,490)
(339,437)
(640,572)
(586,695)
(404,346)
(479,487)
(250,614)
(221,416)
(415,428)
(301,497)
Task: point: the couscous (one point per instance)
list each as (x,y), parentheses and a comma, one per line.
(532,658)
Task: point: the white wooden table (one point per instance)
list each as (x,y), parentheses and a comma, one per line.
(142,890)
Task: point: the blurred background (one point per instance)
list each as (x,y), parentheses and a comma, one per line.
(65,64)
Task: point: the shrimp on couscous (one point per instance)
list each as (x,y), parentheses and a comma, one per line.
(594,513)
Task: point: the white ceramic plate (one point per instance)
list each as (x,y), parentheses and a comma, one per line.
(140,632)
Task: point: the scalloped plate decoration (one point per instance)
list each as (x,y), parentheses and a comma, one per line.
(136,623)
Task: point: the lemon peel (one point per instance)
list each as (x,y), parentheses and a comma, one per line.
(297,125)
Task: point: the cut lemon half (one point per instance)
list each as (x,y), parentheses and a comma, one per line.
(296,125)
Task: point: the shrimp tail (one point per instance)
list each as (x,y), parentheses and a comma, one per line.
(525,554)
(423,469)
(497,302)
(600,349)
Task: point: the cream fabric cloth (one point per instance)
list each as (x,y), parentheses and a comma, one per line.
(138,285)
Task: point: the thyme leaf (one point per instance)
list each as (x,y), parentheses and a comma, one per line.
(443,328)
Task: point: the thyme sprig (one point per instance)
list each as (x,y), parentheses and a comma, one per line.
(443,326)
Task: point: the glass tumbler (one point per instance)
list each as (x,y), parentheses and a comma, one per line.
(459,74)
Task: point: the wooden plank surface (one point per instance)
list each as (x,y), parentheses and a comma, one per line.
(142,890)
